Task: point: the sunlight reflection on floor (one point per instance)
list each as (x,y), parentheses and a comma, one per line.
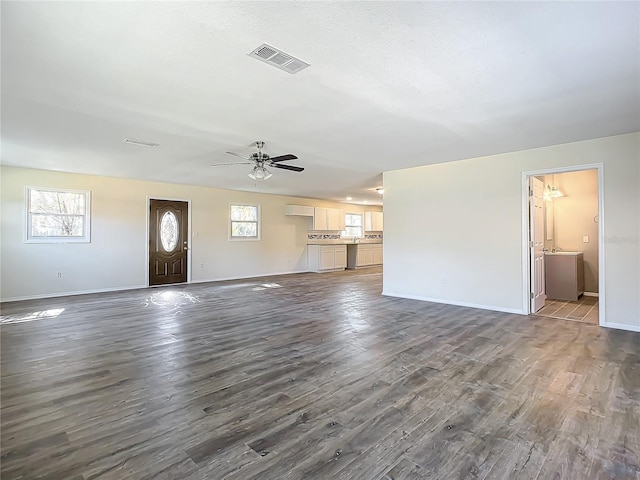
(170,298)
(29,317)
(264,286)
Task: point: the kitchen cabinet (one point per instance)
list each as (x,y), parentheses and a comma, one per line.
(340,257)
(320,218)
(373,222)
(377,254)
(324,258)
(299,210)
(364,255)
(335,219)
(328,219)
(564,275)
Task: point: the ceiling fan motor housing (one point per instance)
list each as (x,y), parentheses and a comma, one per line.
(261,159)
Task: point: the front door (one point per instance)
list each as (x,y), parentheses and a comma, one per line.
(536,243)
(168,243)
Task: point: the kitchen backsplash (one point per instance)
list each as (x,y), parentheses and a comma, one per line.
(336,236)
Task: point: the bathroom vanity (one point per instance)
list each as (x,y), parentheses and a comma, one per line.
(564,275)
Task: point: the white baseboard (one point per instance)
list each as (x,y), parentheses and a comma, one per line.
(457,304)
(225,279)
(622,326)
(68,294)
(135,287)
(590,294)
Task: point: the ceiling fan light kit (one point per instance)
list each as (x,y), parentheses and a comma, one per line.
(262,160)
(260,173)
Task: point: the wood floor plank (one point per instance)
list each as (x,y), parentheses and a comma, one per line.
(313,376)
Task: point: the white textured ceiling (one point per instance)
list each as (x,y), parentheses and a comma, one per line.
(391,85)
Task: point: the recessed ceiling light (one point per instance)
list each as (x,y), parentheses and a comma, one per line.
(140,143)
(349,198)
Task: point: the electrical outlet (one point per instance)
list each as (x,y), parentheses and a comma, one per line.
(444,279)
(585,239)
(202,265)
(59,274)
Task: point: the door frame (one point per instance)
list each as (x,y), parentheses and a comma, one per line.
(148,223)
(526,272)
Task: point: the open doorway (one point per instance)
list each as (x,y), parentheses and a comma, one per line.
(562,238)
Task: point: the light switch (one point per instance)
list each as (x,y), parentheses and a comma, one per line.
(585,239)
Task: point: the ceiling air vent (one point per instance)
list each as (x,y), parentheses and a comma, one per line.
(279,59)
(140,143)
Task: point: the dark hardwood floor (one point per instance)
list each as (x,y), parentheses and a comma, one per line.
(310,376)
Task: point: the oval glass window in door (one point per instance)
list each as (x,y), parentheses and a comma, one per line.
(169,231)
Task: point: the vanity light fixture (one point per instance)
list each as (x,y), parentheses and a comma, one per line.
(552,192)
(349,198)
(380,190)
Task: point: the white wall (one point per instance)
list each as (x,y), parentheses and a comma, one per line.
(116,257)
(453,231)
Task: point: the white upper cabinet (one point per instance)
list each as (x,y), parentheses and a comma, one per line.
(328,219)
(335,219)
(320,219)
(299,210)
(373,222)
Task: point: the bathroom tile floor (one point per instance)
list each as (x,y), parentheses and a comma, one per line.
(585,310)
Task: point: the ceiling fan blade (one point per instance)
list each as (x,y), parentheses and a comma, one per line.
(288,167)
(246,157)
(234,163)
(282,158)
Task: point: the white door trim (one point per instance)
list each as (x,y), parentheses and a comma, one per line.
(526,279)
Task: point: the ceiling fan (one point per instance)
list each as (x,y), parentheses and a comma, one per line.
(261,161)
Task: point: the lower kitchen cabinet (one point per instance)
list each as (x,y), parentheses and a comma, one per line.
(325,258)
(377,254)
(364,255)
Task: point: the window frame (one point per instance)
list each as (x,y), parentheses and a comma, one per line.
(343,232)
(258,222)
(30,238)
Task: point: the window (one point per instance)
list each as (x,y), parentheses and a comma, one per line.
(58,216)
(169,231)
(245,222)
(352,225)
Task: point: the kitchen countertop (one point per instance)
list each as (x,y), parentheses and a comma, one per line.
(338,242)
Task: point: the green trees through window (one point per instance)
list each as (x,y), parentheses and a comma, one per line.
(245,222)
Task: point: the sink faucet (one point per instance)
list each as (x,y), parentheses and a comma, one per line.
(356,239)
